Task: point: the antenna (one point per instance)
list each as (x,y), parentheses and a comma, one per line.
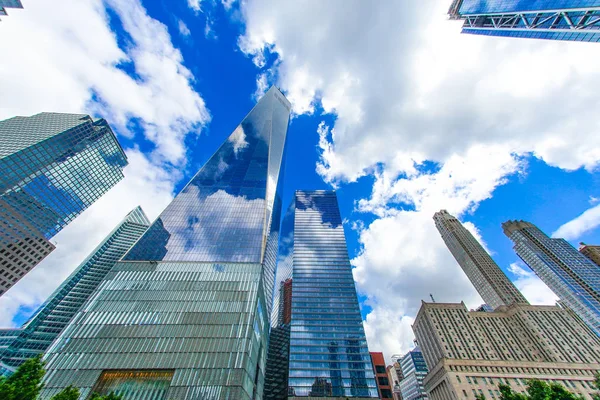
(432,299)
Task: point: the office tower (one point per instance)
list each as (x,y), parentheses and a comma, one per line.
(36,335)
(571,276)
(328,354)
(414,370)
(184,314)
(469,353)
(490,282)
(590,251)
(52,167)
(575,20)
(383,382)
(4,4)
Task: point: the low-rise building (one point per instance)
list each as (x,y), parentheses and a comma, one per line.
(469,353)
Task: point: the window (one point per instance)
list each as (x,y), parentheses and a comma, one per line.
(380,369)
(383,381)
(386,394)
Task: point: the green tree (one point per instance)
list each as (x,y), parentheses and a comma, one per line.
(68,393)
(25,383)
(596,396)
(539,390)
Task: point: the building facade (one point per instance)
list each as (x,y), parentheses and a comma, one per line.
(414,370)
(52,167)
(36,335)
(590,251)
(571,276)
(469,353)
(394,382)
(4,4)
(384,385)
(184,314)
(328,353)
(574,20)
(490,282)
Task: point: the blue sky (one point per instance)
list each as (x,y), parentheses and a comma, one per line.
(393,107)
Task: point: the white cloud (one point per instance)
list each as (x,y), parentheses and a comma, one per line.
(144,184)
(183,29)
(67,59)
(439,118)
(593,200)
(195,5)
(572,230)
(531,286)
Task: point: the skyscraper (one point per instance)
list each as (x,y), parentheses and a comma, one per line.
(52,167)
(414,370)
(4,4)
(575,20)
(36,335)
(590,251)
(572,277)
(490,282)
(328,354)
(184,315)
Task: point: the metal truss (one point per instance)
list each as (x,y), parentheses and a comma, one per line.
(576,20)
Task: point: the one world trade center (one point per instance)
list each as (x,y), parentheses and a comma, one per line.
(184,314)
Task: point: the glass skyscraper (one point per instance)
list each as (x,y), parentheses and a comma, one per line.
(52,167)
(414,370)
(575,20)
(491,283)
(328,353)
(36,335)
(184,315)
(4,4)
(572,277)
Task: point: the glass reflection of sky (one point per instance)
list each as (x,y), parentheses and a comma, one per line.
(495,6)
(225,212)
(57,165)
(328,349)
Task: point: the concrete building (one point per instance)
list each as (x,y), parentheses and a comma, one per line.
(384,386)
(590,251)
(414,370)
(394,382)
(571,275)
(490,282)
(470,352)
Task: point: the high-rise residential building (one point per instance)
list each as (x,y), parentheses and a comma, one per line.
(575,20)
(328,353)
(184,314)
(414,370)
(52,167)
(490,282)
(36,335)
(469,353)
(590,251)
(571,275)
(384,386)
(4,4)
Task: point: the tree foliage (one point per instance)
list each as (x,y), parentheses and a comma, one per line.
(68,393)
(540,390)
(26,384)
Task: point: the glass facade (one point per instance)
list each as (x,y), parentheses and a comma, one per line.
(36,335)
(491,283)
(52,167)
(193,295)
(574,20)
(4,4)
(414,370)
(571,276)
(328,354)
